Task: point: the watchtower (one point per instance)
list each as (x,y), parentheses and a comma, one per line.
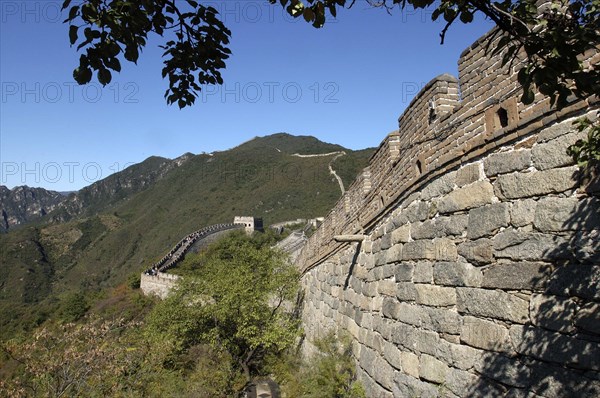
(251,224)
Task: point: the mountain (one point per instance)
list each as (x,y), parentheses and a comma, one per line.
(115,188)
(23,204)
(122,224)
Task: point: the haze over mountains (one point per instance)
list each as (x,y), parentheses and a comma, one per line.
(117,226)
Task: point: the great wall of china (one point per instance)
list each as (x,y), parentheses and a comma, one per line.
(476,267)
(155,281)
(465,260)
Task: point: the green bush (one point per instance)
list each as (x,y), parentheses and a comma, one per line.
(133,281)
(330,373)
(73,307)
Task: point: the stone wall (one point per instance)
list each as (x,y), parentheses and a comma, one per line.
(158,285)
(480,272)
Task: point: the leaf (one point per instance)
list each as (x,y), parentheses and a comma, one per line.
(523,76)
(73,13)
(528,96)
(73,34)
(82,75)
(466,17)
(308,14)
(114,64)
(131,53)
(104,76)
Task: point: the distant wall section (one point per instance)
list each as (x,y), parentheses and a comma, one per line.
(158,285)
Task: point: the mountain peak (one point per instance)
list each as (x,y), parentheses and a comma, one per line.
(290,144)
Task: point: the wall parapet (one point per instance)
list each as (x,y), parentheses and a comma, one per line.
(450,122)
(158,285)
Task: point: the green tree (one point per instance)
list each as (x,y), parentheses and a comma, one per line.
(239,300)
(74,306)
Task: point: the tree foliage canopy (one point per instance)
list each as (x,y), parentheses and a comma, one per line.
(235,300)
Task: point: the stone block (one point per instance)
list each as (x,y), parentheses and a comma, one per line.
(552,312)
(408,386)
(484,334)
(559,381)
(509,237)
(381,258)
(553,154)
(401,234)
(492,304)
(406,291)
(418,250)
(393,254)
(386,241)
(387,287)
(403,335)
(404,272)
(564,214)
(435,319)
(460,383)
(410,363)
(507,162)
(440,186)
(438,296)
(474,195)
(539,183)
(508,371)
(385,271)
(555,131)
(456,274)
(383,373)
(423,272)
(478,252)
(416,211)
(486,220)
(432,369)
(445,250)
(522,212)
(441,249)
(532,247)
(555,347)
(392,354)
(464,356)
(517,276)
(580,280)
(468,174)
(390,308)
(588,318)
(440,227)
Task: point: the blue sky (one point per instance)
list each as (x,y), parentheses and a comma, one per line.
(346,83)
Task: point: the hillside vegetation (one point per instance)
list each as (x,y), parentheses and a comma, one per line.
(123,344)
(131,219)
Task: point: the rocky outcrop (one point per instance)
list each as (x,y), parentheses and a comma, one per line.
(24,204)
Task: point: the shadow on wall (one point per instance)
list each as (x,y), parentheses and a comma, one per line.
(557,353)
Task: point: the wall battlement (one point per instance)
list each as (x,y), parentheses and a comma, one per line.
(438,132)
(479,274)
